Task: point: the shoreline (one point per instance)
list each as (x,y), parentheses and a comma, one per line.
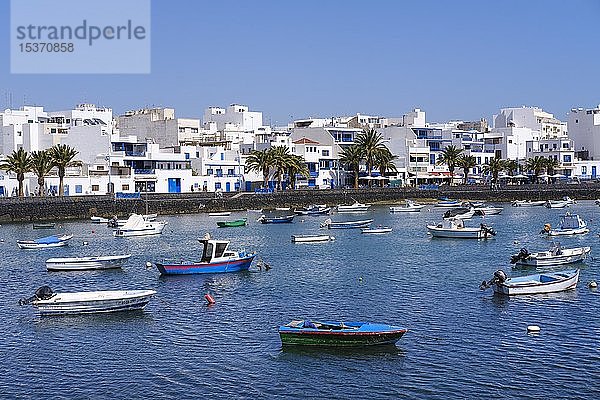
(83,207)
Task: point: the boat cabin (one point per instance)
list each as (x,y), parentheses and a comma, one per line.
(571,221)
(215,249)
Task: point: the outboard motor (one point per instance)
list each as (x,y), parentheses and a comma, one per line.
(498,278)
(487,230)
(522,255)
(43,293)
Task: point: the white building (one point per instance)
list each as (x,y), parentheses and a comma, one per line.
(562,150)
(584,129)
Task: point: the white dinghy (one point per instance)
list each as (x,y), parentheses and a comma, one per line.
(410,207)
(550,282)
(312,238)
(455,229)
(556,255)
(86,263)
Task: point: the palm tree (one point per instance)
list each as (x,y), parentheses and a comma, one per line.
(450,156)
(280,157)
(536,165)
(384,161)
(41,164)
(296,166)
(351,156)
(466,163)
(512,166)
(18,162)
(494,167)
(62,157)
(260,161)
(551,164)
(371,143)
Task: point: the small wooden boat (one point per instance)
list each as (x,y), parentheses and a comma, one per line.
(234,223)
(569,224)
(376,231)
(339,334)
(45,242)
(285,219)
(556,204)
(44,225)
(459,213)
(455,229)
(315,209)
(137,225)
(351,208)
(311,238)
(550,282)
(410,207)
(528,203)
(99,220)
(556,255)
(220,214)
(49,303)
(86,263)
(329,224)
(216,258)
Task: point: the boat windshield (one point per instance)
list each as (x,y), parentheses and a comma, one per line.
(207,253)
(220,249)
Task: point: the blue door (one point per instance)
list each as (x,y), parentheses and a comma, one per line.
(174,185)
(227,186)
(593,172)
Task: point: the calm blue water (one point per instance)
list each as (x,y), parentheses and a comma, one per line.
(462,343)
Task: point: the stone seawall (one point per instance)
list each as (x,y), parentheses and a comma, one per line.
(83,207)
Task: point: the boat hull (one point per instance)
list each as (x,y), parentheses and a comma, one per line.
(521,203)
(514,287)
(86,263)
(155,229)
(311,238)
(463,233)
(544,259)
(232,265)
(568,232)
(377,335)
(36,246)
(231,224)
(411,209)
(278,220)
(113,302)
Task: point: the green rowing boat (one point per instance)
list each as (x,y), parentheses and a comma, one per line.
(229,224)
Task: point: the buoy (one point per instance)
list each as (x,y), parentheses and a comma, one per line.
(93,231)
(515,242)
(592,285)
(85,243)
(209,299)
(360,279)
(533,329)
(148,264)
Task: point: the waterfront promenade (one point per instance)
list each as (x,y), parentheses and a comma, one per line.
(83,207)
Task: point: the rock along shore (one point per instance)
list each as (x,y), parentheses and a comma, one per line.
(83,207)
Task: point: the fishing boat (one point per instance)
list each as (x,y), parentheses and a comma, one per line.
(339,334)
(311,238)
(355,207)
(136,225)
(99,220)
(459,213)
(376,231)
(569,224)
(216,258)
(550,282)
(488,210)
(528,203)
(315,209)
(455,228)
(234,223)
(86,263)
(556,255)
(44,225)
(220,214)
(45,242)
(48,302)
(445,202)
(329,224)
(569,200)
(410,207)
(284,219)
(556,204)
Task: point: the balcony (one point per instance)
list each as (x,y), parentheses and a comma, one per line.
(144,171)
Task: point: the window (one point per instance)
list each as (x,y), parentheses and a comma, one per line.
(95,188)
(100,167)
(567,158)
(187,156)
(124,187)
(479,159)
(194,130)
(219,172)
(325,153)
(230,171)
(78,189)
(432,159)
(583,170)
(209,171)
(217,185)
(52,130)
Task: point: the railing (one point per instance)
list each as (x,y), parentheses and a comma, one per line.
(135,153)
(144,171)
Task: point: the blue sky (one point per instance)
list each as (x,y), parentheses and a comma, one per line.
(454,59)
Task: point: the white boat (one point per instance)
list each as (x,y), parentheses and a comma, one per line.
(569,224)
(49,303)
(311,238)
(99,220)
(528,203)
(550,282)
(459,213)
(282,208)
(314,209)
(86,263)
(45,242)
(376,231)
(455,228)
(556,255)
(136,225)
(115,223)
(220,214)
(447,203)
(329,224)
(556,204)
(410,207)
(356,207)
(488,210)
(569,200)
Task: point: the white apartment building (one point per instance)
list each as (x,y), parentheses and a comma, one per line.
(561,150)
(321,153)
(11,126)
(584,129)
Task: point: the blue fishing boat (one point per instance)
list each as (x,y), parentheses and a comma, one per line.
(284,219)
(45,242)
(339,334)
(216,258)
